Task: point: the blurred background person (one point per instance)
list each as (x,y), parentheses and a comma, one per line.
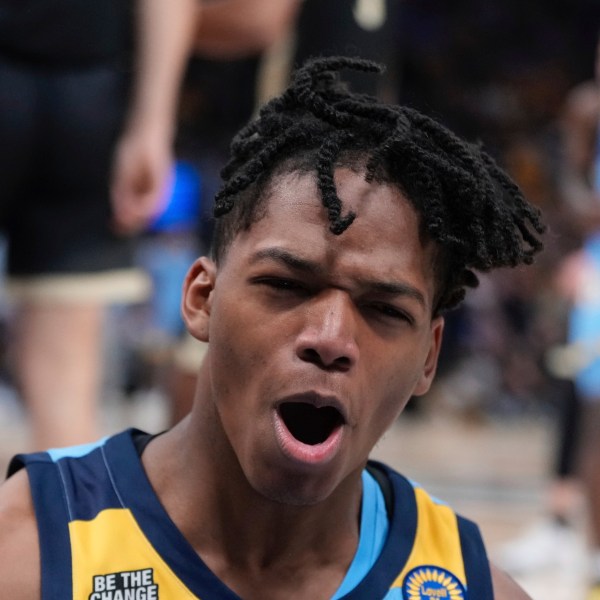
(582,355)
(87,93)
(553,540)
(551,543)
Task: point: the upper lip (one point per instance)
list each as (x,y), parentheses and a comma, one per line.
(318,400)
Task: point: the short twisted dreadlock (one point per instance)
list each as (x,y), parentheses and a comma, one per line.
(467,204)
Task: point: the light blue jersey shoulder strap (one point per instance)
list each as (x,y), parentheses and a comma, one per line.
(374,524)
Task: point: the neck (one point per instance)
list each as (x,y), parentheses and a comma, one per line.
(232,526)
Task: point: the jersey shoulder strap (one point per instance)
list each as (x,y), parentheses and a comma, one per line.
(447,554)
(67,485)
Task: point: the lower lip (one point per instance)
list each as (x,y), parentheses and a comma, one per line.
(306,453)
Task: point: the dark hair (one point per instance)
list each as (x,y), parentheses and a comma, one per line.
(470,207)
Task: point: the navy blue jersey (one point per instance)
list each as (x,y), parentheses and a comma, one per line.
(104,535)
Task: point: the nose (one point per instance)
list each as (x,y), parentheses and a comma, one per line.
(328,338)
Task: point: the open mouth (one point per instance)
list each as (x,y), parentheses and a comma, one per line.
(310,424)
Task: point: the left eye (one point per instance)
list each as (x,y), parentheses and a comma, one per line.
(389,311)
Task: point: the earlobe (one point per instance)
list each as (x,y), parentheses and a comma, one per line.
(197,297)
(430,366)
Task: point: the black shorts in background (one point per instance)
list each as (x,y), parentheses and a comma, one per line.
(58,128)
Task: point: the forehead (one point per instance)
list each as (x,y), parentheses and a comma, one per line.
(381,209)
(383,240)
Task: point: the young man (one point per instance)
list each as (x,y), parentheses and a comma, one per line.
(345,229)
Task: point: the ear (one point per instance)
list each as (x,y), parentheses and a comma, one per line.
(197,295)
(431,360)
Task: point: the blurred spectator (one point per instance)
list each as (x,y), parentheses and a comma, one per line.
(552,541)
(68,116)
(458,66)
(583,354)
(579,282)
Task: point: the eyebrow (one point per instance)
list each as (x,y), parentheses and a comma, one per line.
(291,260)
(392,288)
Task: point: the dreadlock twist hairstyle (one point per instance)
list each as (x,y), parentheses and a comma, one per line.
(466,203)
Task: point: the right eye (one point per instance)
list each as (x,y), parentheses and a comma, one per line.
(282,284)
(389,311)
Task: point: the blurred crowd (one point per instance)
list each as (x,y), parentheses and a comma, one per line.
(501,74)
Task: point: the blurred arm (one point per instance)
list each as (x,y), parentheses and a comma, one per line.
(144,153)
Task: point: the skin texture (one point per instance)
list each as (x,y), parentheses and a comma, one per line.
(293,309)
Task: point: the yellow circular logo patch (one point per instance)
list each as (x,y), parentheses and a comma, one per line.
(432,583)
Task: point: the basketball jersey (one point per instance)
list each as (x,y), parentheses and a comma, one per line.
(104,535)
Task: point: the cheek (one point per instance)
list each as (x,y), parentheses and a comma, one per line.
(238,350)
(391,406)
(394,393)
(245,333)
(231,364)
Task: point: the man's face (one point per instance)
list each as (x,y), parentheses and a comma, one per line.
(318,341)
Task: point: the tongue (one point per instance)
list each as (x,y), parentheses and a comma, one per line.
(309,424)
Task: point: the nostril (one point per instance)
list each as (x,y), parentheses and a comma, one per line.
(343,362)
(311,355)
(325,361)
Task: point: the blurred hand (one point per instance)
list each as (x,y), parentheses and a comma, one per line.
(141,167)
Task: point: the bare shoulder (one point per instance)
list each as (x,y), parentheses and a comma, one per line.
(19,548)
(505,587)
